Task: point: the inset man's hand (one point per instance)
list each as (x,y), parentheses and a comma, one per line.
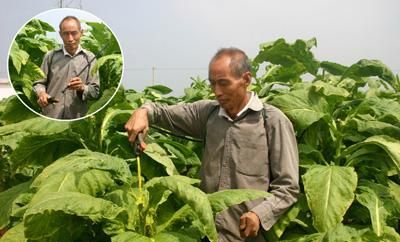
(76,84)
(43,99)
(138,122)
(249,225)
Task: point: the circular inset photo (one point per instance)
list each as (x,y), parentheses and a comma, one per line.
(65,64)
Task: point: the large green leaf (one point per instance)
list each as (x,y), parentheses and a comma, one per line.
(32,139)
(36,126)
(184,154)
(330,192)
(84,160)
(173,237)
(394,190)
(15,234)
(281,53)
(29,73)
(345,233)
(310,155)
(338,234)
(126,198)
(374,127)
(110,70)
(7,199)
(329,90)
(40,26)
(33,43)
(302,107)
(367,68)
(105,99)
(158,154)
(333,68)
(18,57)
(112,120)
(31,148)
(161,89)
(182,214)
(14,111)
(389,235)
(381,203)
(222,200)
(192,196)
(115,59)
(53,216)
(282,75)
(131,236)
(100,36)
(159,194)
(390,145)
(370,199)
(92,182)
(317,237)
(290,216)
(382,109)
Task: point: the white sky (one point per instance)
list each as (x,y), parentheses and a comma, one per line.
(178,37)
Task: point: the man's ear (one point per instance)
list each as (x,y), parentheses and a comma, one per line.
(247,77)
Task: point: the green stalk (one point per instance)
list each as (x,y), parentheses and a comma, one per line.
(141,199)
(139,175)
(337,139)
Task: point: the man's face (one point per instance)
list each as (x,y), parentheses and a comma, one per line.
(229,90)
(71,35)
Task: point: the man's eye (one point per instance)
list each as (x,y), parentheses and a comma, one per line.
(73,33)
(223,82)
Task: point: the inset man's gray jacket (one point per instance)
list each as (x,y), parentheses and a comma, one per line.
(59,69)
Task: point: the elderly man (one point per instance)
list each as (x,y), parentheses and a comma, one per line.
(248,144)
(64,92)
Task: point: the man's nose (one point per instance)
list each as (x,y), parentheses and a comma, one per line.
(70,37)
(217,90)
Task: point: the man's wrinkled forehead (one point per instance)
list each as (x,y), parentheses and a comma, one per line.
(69,21)
(216,64)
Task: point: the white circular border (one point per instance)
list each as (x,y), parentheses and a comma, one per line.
(87,115)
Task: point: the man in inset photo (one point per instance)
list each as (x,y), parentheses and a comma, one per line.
(68,83)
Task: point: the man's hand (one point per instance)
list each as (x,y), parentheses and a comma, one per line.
(76,84)
(249,225)
(43,99)
(138,122)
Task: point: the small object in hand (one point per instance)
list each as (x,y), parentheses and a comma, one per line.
(51,99)
(65,88)
(139,146)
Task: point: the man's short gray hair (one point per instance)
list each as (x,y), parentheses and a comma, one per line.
(239,64)
(70,17)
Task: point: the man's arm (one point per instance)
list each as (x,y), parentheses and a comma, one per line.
(91,89)
(40,86)
(186,119)
(284,165)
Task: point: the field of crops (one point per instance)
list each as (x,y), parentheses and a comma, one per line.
(78,181)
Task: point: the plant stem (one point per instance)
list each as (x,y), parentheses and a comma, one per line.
(139,175)
(337,139)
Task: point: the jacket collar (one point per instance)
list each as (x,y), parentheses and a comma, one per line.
(76,53)
(254,104)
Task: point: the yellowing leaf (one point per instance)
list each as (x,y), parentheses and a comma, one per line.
(330,192)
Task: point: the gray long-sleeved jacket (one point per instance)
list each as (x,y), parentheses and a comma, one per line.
(238,155)
(71,104)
